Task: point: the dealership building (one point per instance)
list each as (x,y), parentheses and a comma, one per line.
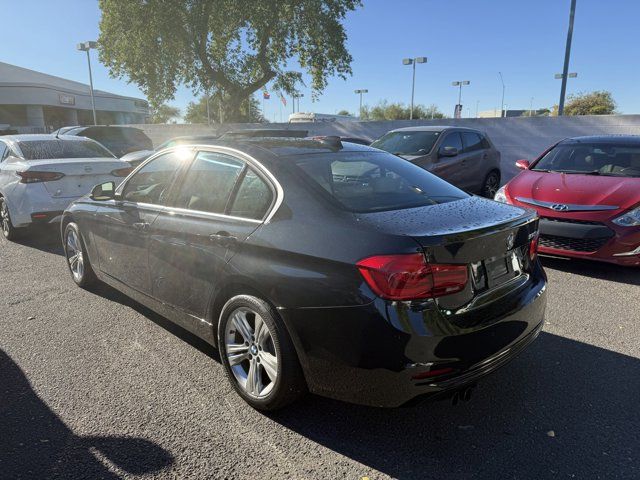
(34,102)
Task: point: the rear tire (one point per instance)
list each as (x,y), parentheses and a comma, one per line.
(75,253)
(491,184)
(258,355)
(9,232)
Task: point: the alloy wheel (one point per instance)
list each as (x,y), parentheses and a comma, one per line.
(5,218)
(75,256)
(251,352)
(491,185)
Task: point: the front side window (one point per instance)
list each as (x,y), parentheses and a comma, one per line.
(253,197)
(407,142)
(369,182)
(208,184)
(472,142)
(452,140)
(151,183)
(57,148)
(592,159)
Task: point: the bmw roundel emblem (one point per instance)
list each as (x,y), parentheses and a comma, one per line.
(559,207)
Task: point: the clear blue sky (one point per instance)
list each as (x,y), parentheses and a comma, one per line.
(463,40)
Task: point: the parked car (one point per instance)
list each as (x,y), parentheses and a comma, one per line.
(461,156)
(136,158)
(41,174)
(118,139)
(336,268)
(587,193)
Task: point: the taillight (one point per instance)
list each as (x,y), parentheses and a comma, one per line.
(533,247)
(409,277)
(36,177)
(122,172)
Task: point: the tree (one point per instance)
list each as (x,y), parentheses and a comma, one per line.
(234,47)
(164,114)
(599,102)
(344,112)
(398,111)
(197,111)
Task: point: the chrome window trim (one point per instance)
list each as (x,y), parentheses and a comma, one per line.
(248,159)
(570,207)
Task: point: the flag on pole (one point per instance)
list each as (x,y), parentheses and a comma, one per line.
(265,95)
(283,100)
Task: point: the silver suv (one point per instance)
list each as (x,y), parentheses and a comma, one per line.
(461,156)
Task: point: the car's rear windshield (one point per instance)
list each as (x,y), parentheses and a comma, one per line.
(59,148)
(607,159)
(370,182)
(407,142)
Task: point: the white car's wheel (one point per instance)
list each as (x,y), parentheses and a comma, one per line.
(8,230)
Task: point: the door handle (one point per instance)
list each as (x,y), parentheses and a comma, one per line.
(223,238)
(141,225)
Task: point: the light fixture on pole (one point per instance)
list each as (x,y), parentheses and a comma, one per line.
(413,61)
(85,47)
(360,92)
(567,55)
(502,111)
(458,110)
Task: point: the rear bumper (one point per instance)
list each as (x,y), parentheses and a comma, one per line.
(378,354)
(605,243)
(29,204)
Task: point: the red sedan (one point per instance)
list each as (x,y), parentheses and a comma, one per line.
(586,191)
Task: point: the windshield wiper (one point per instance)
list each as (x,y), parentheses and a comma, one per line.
(581,172)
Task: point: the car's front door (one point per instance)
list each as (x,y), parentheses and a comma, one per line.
(122,225)
(473,174)
(221,201)
(449,168)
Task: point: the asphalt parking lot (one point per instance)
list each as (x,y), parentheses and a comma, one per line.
(93,385)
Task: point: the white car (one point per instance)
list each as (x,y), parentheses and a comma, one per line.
(40,175)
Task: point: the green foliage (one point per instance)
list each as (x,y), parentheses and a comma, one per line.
(197,111)
(344,112)
(164,114)
(599,102)
(233,46)
(398,111)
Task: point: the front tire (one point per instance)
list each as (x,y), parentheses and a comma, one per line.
(258,354)
(491,185)
(9,232)
(77,259)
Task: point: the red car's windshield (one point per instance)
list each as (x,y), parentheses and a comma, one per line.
(592,159)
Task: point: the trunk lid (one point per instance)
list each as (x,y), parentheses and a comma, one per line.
(80,174)
(491,238)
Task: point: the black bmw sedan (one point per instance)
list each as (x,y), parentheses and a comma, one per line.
(317,265)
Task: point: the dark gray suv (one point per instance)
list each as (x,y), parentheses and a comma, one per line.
(461,156)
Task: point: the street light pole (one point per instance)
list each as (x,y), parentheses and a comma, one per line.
(531,107)
(460,84)
(567,55)
(413,61)
(502,112)
(361,91)
(85,47)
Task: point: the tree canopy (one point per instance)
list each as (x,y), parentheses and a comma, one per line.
(599,102)
(385,110)
(196,111)
(164,114)
(230,46)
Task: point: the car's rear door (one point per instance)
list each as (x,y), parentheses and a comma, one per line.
(122,226)
(221,201)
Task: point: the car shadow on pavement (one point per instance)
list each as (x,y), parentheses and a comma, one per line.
(110,293)
(599,270)
(43,237)
(563,409)
(35,442)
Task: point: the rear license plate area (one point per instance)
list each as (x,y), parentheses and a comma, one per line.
(494,271)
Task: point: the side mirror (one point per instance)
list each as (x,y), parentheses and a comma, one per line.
(448,152)
(104,191)
(523,164)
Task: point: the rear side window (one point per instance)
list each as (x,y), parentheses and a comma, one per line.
(407,142)
(209,182)
(472,141)
(151,183)
(253,198)
(369,182)
(58,148)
